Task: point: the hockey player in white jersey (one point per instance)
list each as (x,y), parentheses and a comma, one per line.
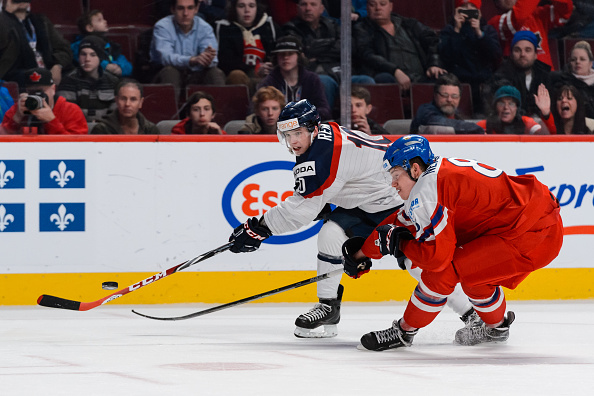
(337,166)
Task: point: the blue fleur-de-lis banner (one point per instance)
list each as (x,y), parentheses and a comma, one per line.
(12,217)
(12,174)
(62,174)
(58,217)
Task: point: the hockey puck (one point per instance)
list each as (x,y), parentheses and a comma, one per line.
(109,285)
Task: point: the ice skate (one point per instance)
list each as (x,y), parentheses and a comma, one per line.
(480,334)
(391,338)
(325,314)
(471,319)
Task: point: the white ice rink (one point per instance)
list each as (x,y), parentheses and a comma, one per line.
(250,350)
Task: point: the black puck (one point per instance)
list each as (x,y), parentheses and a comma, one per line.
(109,285)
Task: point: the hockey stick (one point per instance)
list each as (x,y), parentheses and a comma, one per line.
(248,299)
(58,302)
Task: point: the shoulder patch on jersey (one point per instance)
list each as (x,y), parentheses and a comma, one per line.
(305,169)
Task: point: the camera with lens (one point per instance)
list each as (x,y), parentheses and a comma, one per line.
(470,13)
(35,100)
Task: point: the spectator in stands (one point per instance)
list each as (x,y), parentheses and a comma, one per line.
(506,117)
(91,88)
(569,112)
(320,36)
(358,9)
(522,70)
(185,46)
(395,49)
(246,39)
(469,48)
(40,111)
(268,103)
(519,15)
(291,78)
(30,40)
(440,116)
(580,74)
(6,101)
(126,119)
(201,108)
(581,23)
(93,23)
(360,108)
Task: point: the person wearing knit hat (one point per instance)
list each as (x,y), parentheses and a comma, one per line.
(89,85)
(526,35)
(506,117)
(470,49)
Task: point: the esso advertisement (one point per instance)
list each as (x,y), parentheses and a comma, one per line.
(254,190)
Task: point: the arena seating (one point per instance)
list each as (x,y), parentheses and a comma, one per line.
(232,101)
(423,93)
(160,102)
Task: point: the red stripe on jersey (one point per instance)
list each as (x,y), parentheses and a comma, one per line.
(335,160)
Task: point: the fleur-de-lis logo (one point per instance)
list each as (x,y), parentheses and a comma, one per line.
(62,219)
(5,219)
(5,175)
(62,176)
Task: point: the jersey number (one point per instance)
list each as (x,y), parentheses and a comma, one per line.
(299,185)
(483,169)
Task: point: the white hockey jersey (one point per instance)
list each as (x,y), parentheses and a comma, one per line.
(341,167)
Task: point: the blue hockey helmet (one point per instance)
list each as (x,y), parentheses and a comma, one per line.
(405,149)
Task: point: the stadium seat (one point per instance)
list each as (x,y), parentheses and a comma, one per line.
(160,102)
(125,42)
(165,126)
(554,51)
(386,101)
(398,127)
(423,93)
(233,126)
(282,11)
(232,101)
(66,12)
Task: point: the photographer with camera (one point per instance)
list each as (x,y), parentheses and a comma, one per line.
(470,48)
(40,111)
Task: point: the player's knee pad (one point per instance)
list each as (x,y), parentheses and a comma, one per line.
(330,239)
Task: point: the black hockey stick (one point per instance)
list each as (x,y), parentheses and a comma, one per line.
(59,302)
(248,299)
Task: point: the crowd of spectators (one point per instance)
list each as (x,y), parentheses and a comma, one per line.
(287,50)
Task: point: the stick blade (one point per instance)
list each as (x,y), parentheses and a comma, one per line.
(156,317)
(46,300)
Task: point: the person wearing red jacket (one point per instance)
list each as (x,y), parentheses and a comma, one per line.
(40,111)
(528,15)
(462,222)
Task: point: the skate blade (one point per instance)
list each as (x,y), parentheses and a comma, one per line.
(325,331)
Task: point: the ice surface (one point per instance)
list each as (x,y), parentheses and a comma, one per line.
(251,350)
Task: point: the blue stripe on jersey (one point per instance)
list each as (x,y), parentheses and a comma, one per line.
(435,220)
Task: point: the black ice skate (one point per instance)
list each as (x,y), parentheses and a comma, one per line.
(481,334)
(326,313)
(471,319)
(391,338)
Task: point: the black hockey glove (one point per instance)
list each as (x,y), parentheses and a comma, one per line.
(389,240)
(248,236)
(354,267)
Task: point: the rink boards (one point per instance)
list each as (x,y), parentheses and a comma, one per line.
(78,211)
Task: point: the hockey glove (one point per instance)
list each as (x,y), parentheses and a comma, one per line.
(390,237)
(354,267)
(248,236)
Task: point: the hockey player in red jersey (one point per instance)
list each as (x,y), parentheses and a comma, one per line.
(337,166)
(462,221)
(529,15)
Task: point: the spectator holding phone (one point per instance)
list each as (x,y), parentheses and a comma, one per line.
(469,48)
